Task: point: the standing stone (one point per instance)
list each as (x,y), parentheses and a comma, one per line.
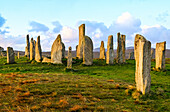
(160,55)
(10,55)
(102,51)
(69,59)
(152,53)
(87,51)
(63,50)
(110,52)
(57,50)
(32,50)
(38,51)
(18,55)
(27,48)
(1,49)
(142,50)
(121,48)
(131,55)
(76,49)
(81,38)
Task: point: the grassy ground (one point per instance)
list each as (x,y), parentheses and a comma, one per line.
(31,86)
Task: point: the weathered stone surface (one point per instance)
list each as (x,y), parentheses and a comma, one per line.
(38,51)
(121,48)
(160,55)
(87,51)
(63,50)
(142,50)
(69,59)
(131,55)
(152,53)
(76,49)
(27,48)
(46,60)
(81,38)
(10,55)
(57,50)
(1,49)
(102,51)
(110,52)
(18,55)
(32,50)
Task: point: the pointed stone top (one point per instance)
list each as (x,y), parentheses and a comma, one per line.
(138,36)
(118,34)
(102,44)
(32,39)
(110,36)
(27,35)
(82,25)
(59,38)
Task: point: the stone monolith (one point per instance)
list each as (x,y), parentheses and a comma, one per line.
(110,52)
(69,59)
(152,53)
(102,51)
(38,51)
(81,38)
(27,48)
(142,50)
(10,55)
(160,55)
(87,51)
(18,55)
(120,48)
(32,49)
(131,55)
(57,51)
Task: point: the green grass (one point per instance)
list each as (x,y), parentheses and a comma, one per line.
(31,86)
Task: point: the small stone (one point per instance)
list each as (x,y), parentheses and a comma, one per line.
(69,59)
(102,51)
(10,55)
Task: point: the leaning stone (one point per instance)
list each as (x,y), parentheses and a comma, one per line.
(32,50)
(102,51)
(81,38)
(160,55)
(142,50)
(120,48)
(10,55)
(57,50)
(87,51)
(69,59)
(38,51)
(110,52)
(46,60)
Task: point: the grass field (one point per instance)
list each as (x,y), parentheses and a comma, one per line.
(31,86)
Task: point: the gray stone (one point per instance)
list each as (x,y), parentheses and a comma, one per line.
(69,59)
(110,52)
(121,48)
(27,48)
(131,55)
(160,55)
(32,49)
(57,50)
(152,53)
(38,51)
(142,50)
(10,55)
(102,51)
(81,38)
(87,51)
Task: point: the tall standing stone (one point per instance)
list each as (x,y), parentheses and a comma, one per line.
(81,38)
(63,50)
(57,50)
(69,59)
(160,55)
(152,53)
(10,55)
(131,55)
(76,49)
(18,56)
(102,51)
(32,50)
(142,50)
(38,51)
(87,51)
(27,48)
(121,48)
(110,52)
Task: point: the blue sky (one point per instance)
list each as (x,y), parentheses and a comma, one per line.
(48,18)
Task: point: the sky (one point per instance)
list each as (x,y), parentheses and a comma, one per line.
(102,18)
